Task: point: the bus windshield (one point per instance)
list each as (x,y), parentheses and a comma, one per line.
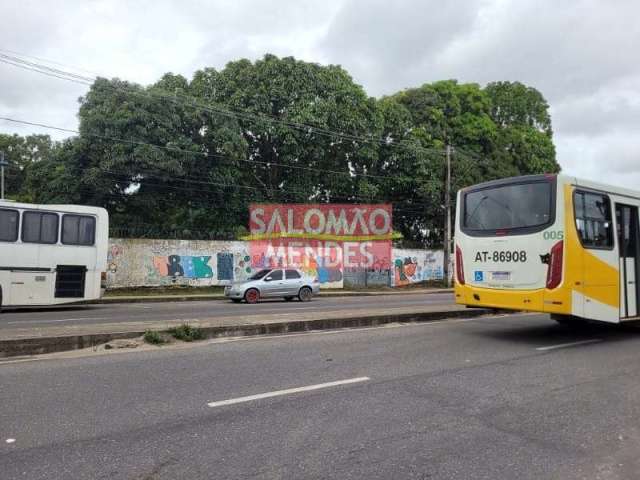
(508,207)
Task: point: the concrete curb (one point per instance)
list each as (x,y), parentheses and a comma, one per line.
(198,297)
(41,345)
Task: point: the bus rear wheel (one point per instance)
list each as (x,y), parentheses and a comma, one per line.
(567,320)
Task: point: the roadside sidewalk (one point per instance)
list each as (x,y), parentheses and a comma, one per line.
(21,341)
(220,296)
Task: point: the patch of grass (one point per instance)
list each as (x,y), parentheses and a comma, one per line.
(187,333)
(154,338)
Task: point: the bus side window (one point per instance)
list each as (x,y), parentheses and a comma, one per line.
(9,225)
(78,230)
(593,219)
(39,227)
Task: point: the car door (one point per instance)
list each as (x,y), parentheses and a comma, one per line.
(273,284)
(293,282)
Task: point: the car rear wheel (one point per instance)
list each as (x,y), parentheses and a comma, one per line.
(252,296)
(305,294)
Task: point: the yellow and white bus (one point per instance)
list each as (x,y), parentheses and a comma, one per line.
(51,254)
(549,243)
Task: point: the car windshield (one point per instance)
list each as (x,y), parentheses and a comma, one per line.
(259,275)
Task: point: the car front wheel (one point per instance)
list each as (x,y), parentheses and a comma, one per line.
(252,296)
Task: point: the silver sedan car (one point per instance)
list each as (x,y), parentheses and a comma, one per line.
(288,283)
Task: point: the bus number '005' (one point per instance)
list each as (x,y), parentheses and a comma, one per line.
(496,256)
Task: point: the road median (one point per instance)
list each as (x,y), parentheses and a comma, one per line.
(34,341)
(187,297)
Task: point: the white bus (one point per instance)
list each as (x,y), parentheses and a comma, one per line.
(51,254)
(549,243)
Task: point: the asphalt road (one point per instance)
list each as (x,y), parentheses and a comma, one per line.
(135,312)
(489,398)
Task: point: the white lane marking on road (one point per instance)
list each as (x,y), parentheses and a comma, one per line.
(288,391)
(10,440)
(565,345)
(59,320)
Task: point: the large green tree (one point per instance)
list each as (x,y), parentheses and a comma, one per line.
(438,114)
(186,157)
(289,113)
(525,140)
(20,153)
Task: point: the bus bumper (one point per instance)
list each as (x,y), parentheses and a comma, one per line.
(540,300)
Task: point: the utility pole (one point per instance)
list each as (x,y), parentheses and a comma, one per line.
(447,230)
(2,165)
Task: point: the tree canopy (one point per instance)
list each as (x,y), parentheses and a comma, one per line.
(185,158)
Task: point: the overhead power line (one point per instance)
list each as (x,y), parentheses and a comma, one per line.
(195,153)
(199,180)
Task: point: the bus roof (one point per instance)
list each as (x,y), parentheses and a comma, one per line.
(562,179)
(54,207)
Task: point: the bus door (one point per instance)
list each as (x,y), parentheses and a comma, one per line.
(628,248)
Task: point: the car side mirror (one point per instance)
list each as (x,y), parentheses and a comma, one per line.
(268,279)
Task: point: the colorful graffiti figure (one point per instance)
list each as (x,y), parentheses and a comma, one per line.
(326,274)
(186,266)
(405,270)
(243,267)
(114,252)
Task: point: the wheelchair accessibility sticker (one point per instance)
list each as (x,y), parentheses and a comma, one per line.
(478,276)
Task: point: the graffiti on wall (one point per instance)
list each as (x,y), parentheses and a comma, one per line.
(242,264)
(315,267)
(137,262)
(185,266)
(405,270)
(421,267)
(225,266)
(116,261)
(113,256)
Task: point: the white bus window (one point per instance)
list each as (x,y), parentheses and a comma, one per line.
(78,230)
(593,219)
(9,225)
(39,227)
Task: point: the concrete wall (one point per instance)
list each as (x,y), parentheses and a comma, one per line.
(360,277)
(145,262)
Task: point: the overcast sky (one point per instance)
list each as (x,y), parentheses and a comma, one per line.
(582,55)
